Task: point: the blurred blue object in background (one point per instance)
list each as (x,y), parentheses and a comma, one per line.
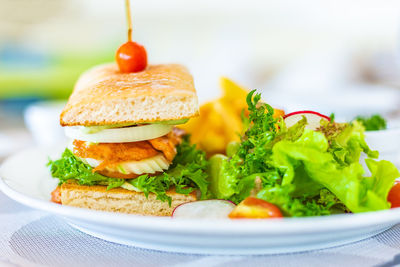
(14,56)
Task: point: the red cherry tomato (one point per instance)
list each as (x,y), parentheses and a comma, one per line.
(394,195)
(254,208)
(131,57)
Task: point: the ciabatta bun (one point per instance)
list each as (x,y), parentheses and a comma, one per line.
(120,200)
(104,96)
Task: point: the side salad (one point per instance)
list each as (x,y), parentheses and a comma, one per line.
(302,164)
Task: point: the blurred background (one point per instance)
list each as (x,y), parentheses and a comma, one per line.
(329,56)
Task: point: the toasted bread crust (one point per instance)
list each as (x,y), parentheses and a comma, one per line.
(103,96)
(120,200)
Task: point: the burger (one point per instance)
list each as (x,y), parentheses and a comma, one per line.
(125,153)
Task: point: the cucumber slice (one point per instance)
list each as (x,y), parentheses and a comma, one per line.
(96,129)
(119,135)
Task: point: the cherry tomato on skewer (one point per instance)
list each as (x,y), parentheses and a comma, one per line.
(131,57)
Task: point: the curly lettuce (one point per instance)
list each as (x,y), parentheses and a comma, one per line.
(186,174)
(70,167)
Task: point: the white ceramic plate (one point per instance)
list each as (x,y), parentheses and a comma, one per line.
(25,178)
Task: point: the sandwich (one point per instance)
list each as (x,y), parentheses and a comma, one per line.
(125,155)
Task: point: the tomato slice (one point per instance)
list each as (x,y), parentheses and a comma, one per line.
(254,208)
(394,195)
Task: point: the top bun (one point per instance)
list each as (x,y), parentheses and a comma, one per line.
(103,96)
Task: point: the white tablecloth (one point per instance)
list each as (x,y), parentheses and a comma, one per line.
(33,238)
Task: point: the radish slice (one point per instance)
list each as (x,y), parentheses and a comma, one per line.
(313,119)
(204,209)
(119,135)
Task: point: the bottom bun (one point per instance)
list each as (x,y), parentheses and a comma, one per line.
(120,200)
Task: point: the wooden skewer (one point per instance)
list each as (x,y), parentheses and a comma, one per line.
(128,19)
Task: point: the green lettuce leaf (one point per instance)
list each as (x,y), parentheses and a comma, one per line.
(383,174)
(346,141)
(374,123)
(325,203)
(187,173)
(71,167)
(233,178)
(318,169)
